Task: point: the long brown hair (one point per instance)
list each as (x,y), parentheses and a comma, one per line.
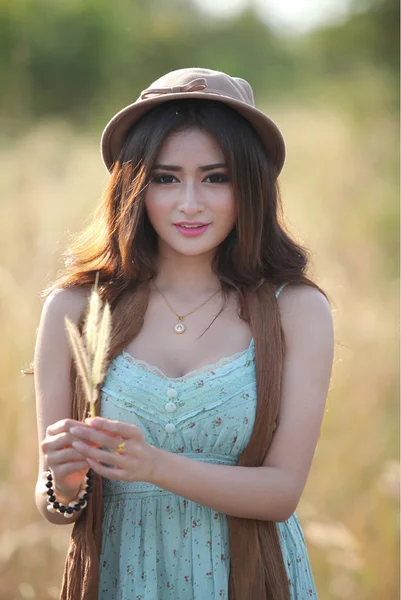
(253,260)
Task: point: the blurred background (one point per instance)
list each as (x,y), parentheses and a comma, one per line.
(327,71)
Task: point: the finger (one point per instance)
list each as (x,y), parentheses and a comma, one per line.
(64,456)
(61,440)
(60,426)
(98,454)
(124,430)
(90,434)
(110,473)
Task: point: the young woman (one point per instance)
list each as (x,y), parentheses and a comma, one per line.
(219,365)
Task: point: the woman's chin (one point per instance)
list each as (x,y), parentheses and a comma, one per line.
(200,251)
(189,248)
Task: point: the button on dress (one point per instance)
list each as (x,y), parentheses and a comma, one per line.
(160,546)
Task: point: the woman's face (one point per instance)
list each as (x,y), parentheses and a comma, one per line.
(189,200)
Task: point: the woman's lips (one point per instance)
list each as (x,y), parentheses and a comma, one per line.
(192,230)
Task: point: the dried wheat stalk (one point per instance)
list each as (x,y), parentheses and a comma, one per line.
(90,350)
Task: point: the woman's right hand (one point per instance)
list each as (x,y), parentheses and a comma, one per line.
(68,466)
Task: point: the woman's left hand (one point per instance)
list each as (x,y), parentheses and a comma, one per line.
(135,463)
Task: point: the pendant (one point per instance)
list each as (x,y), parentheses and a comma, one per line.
(179,327)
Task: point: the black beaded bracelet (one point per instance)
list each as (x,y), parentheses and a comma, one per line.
(79,504)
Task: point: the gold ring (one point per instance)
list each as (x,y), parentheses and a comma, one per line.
(120,448)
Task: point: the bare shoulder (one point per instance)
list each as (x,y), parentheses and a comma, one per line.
(51,349)
(67,301)
(304,309)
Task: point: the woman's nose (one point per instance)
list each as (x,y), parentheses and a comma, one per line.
(191,202)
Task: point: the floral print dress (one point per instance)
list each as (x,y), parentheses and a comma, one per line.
(160,546)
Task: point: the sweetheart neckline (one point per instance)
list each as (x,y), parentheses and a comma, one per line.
(223,361)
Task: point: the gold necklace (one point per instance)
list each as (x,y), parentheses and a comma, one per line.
(180,326)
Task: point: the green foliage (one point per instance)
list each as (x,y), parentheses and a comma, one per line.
(76,58)
(83,59)
(369,38)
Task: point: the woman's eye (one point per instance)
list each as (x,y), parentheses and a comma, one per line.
(218,178)
(163,178)
(166,178)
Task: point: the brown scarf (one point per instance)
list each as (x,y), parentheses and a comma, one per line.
(257,570)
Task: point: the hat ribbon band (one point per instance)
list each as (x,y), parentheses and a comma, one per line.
(197,85)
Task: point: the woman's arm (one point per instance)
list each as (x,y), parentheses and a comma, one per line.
(264,493)
(52,362)
(271,492)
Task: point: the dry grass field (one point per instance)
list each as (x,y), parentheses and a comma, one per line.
(340,194)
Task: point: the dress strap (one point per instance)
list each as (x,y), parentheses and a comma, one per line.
(280,288)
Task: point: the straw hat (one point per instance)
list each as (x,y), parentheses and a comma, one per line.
(194,83)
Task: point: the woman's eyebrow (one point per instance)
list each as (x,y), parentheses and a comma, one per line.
(203,168)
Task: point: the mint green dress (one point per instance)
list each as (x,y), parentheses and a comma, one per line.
(160,546)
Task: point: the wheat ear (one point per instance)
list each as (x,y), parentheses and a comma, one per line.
(103,343)
(80,356)
(91,328)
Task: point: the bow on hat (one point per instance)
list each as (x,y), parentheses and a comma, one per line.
(196,85)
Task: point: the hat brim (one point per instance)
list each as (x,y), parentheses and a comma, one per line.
(114,134)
